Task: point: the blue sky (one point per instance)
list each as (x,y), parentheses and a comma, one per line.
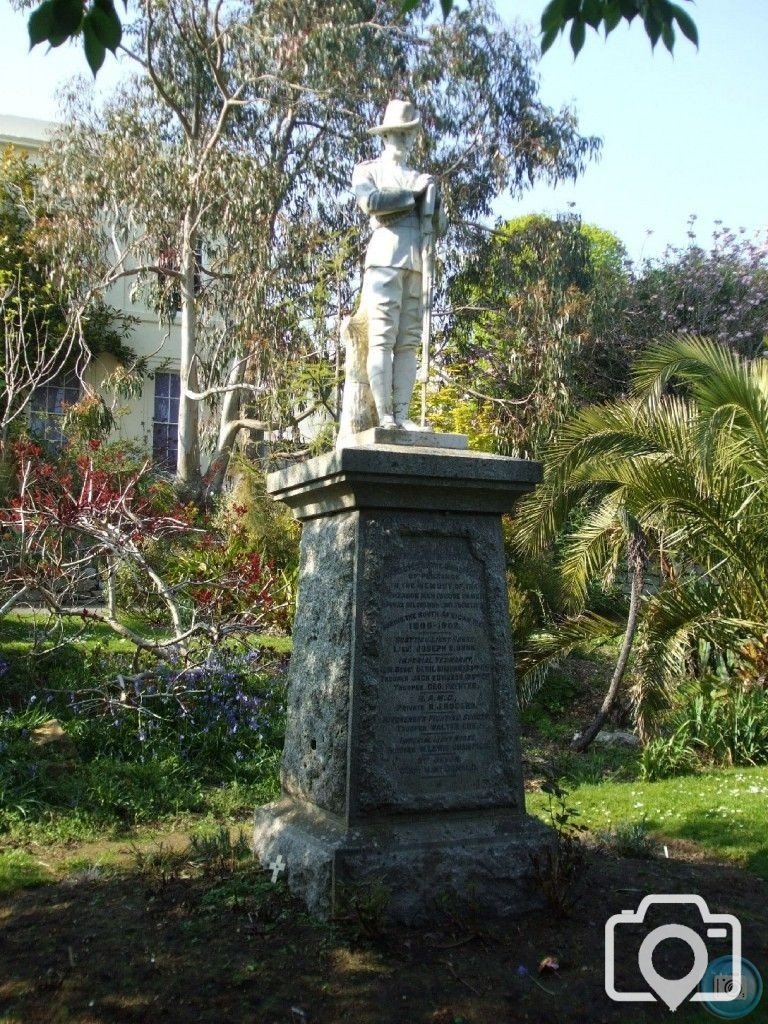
(682,135)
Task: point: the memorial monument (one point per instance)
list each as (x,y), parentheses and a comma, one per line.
(401,764)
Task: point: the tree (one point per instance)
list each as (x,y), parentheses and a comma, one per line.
(39,338)
(683,477)
(720,292)
(213,179)
(658,17)
(523,344)
(55,21)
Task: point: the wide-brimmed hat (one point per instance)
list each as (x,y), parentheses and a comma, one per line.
(399,116)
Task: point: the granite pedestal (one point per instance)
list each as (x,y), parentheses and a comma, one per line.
(402,761)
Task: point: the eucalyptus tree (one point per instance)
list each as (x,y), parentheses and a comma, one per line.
(217,178)
(678,479)
(525,342)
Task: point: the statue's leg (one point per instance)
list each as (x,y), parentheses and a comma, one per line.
(406,346)
(382,294)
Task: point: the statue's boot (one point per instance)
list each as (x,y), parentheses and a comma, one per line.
(404,379)
(380,379)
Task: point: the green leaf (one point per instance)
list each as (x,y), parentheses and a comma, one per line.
(552,16)
(548,38)
(652,27)
(106,24)
(67,19)
(40,23)
(629,9)
(446,6)
(668,36)
(405,8)
(686,24)
(592,12)
(578,34)
(612,16)
(95,50)
(571,9)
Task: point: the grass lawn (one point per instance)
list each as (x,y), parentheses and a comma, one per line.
(20,870)
(20,629)
(86,756)
(725,812)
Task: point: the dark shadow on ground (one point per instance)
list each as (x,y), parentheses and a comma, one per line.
(707,829)
(132,950)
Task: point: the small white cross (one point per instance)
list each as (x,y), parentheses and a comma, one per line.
(277,866)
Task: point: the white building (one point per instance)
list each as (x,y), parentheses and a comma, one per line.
(152,419)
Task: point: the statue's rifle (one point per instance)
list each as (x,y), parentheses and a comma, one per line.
(427,276)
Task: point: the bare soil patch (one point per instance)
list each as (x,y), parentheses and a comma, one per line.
(133,949)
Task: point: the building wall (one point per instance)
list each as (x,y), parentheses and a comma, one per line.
(159,344)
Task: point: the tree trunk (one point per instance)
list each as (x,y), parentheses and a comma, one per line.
(188,475)
(230,411)
(636,559)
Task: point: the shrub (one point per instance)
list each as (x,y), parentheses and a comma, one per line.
(94,508)
(715,723)
(630,839)
(665,756)
(729,725)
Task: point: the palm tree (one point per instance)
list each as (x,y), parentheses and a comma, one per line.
(679,478)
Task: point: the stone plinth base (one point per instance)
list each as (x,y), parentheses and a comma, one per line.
(402,760)
(472,863)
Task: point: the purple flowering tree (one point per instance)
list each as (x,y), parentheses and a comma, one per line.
(720,292)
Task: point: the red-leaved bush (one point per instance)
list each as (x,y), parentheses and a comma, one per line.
(94,522)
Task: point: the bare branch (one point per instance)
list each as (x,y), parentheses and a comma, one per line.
(224,389)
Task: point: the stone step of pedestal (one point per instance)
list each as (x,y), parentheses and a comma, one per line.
(476,862)
(407,438)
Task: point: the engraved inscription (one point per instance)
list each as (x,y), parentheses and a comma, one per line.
(434,728)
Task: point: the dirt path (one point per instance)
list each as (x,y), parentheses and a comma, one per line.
(143,949)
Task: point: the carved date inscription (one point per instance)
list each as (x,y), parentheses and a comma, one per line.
(435,728)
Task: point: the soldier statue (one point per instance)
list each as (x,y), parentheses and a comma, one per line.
(402,205)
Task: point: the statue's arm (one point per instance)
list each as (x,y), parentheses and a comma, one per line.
(374,200)
(434,211)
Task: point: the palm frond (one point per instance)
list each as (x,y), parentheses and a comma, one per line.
(675,619)
(541,515)
(593,546)
(727,388)
(546,648)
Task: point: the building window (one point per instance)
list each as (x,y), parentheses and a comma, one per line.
(165,425)
(49,405)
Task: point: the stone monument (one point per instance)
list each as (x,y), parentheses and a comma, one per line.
(402,764)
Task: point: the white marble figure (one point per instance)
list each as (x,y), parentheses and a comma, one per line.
(392,306)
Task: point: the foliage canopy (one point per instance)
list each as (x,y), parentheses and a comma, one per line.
(690,467)
(216,180)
